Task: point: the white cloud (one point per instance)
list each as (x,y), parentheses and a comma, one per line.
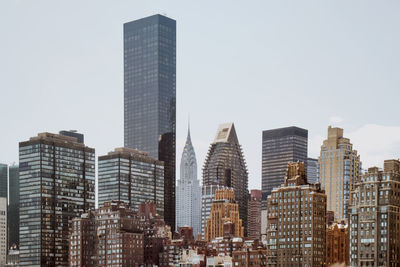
(374,144)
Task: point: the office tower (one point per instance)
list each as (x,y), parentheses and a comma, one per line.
(57,179)
(132,176)
(225,166)
(3,180)
(150,95)
(13,207)
(339,166)
(312,170)
(74,133)
(3,231)
(375,217)
(207,198)
(254,220)
(296,221)
(337,244)
(188,191)
(279,147)
(224,213)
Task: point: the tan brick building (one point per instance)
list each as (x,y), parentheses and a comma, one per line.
(375,217)
(339,166)
(296,225)
(224,211)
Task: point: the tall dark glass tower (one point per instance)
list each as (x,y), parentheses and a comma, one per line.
(279,147)
(13,207)
(150,95)
(3,180)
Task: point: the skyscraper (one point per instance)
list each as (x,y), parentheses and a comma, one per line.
(312,170)
(279,147)
(3,180)
(224,213)
(188,191)
(225,166)
(57,179)
(13,206)
(150,95)
(339,166)
(375,217)
(132,176)
(296,231)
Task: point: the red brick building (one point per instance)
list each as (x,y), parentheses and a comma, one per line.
(254,215)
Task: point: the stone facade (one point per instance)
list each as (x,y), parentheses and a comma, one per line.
(296,221)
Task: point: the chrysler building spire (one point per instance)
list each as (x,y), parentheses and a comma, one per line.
(188,190)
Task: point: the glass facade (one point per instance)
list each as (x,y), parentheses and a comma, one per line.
(312,170)
(150,95)
(13,207)
(133,177)
(3,180)
(225,166)
(279,147)
(57,180)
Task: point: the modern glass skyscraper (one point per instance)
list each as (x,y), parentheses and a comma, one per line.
(3,180)
(57,179)
(225,166)
(131,176)
(13,206)
(150,95)
(279,147)
(188,191)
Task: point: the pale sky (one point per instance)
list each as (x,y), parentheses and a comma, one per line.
(260,64)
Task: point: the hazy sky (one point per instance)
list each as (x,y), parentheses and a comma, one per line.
(261,64)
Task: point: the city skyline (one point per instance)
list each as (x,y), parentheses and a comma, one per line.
(92,66)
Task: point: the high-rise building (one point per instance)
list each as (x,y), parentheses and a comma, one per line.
(3,180)
(279,147)
(131,176)
(254,220)
(375,217)
(224,213)
(339,167)
(225,166)
(13,207)
(115,235)
(150,95)
(296,221)
(3,231)
(109,236)
(188,191)
(57,180)
(207,198)
(312,170)
(337,244)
